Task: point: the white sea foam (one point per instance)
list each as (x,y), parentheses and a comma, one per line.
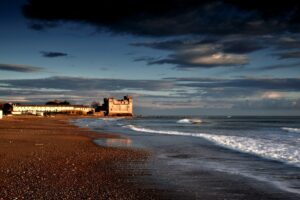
(189,121)
(111,119)
(184,121)
(293,130)
(266,148)
(146,130)
(261,147)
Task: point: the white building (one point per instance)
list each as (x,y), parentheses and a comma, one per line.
(40,109)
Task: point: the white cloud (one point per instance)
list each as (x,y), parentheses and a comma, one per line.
(220,59)
(272,95)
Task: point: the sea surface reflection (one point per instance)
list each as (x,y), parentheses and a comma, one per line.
(115,142)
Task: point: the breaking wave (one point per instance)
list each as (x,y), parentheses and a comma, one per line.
(262,147)
(184,121)
(111,119)
(189,121)
(146,130)
(293,130)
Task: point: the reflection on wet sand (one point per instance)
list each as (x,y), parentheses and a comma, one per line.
(115,142)
(124,142)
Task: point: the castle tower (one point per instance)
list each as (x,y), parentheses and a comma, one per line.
(122,107)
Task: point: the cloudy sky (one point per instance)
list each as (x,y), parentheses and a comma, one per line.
(181,57)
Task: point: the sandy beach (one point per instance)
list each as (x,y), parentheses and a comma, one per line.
(48,158)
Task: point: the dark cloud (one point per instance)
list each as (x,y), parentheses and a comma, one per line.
(7,91)
(41,26)
(280,66)
(288,55)
(171,17)
(237,45)
(82,84)
(104,68)
(168,84)
(226,93)
(190,60)
(205,53)
(242,46)
(173,45)
(43,95)
(20,68)
(251,25)
(52,54)
(281,84)
(287,42)
(37,27)
(267,104)
(147,59)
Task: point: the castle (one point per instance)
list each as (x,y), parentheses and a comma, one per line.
(121,107)
(114,107)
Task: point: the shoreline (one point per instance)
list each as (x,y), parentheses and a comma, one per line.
(49,158)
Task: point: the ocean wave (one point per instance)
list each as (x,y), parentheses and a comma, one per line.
(146,130)
(189,121)
(293,130)
(261,147)
(184,121)
(97,122)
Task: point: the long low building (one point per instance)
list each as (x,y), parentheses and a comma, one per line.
(39,109)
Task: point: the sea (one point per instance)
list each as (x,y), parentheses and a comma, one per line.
(263,152)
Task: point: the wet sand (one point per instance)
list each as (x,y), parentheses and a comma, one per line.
(48,158)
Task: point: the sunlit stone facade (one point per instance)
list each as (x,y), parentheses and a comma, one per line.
(123,107)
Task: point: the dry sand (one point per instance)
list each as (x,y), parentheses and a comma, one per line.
(48,158)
